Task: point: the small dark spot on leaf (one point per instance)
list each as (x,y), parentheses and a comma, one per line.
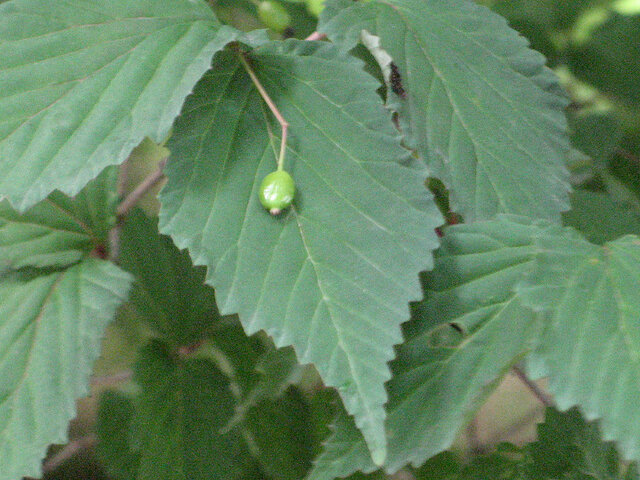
(396,81)
(456,327)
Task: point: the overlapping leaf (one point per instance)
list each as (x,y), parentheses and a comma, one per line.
(593,344)
(181,426)
(600,218)
(177,428)
(567,447)
(83,82)
(50,332)
(282,433)
(60,230)
(334,274)
(169,292)
(469,329)
(475,102)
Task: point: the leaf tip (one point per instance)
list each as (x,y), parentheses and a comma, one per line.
(378,456)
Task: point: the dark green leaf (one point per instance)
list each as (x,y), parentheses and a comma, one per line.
(115,414)
(182,414)
(333,275)
(477,104)
(465,334)
(599,218)
(282,433)
(169,292)
(610,58)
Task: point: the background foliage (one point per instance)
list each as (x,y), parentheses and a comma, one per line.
(323,352)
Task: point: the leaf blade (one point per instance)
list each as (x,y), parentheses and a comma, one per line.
(287,275)
(477,105)
(442,373)
(591,347)
(41,382)
(85,82)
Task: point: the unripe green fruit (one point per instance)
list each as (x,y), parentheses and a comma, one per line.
(274,15)
(315,7)
(277,191)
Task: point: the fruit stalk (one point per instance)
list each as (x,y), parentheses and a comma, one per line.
(272,106)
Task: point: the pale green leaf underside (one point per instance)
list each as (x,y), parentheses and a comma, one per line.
(480,107)
(50,332)
(59,231)
(333,275)
(593,345)
(441,375)
(82,82)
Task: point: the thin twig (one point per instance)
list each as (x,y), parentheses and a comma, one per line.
(473,437)
(316,36)
(68,451)
(114,379)
(114,242)
(540,394)
(147,184)
(272,106)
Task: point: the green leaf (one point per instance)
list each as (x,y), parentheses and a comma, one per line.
(615,43)
(84,81)
(178,430)
(479,107)
(599,218)
(50,330)
(169,292)
(507,463)
(282,434)
(332,276)
(591,295)
(115,414)
(59,231)
(276,369)
(569,447)
(466,333)
(443,466)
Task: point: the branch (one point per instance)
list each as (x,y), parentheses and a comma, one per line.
(68,451)
(110,380)
(316,36)
(540,394)
(147,184)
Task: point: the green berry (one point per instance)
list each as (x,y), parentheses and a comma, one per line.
(274,15)
(315,7)
(277,191)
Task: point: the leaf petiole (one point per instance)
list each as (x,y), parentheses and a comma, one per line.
(272,106)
